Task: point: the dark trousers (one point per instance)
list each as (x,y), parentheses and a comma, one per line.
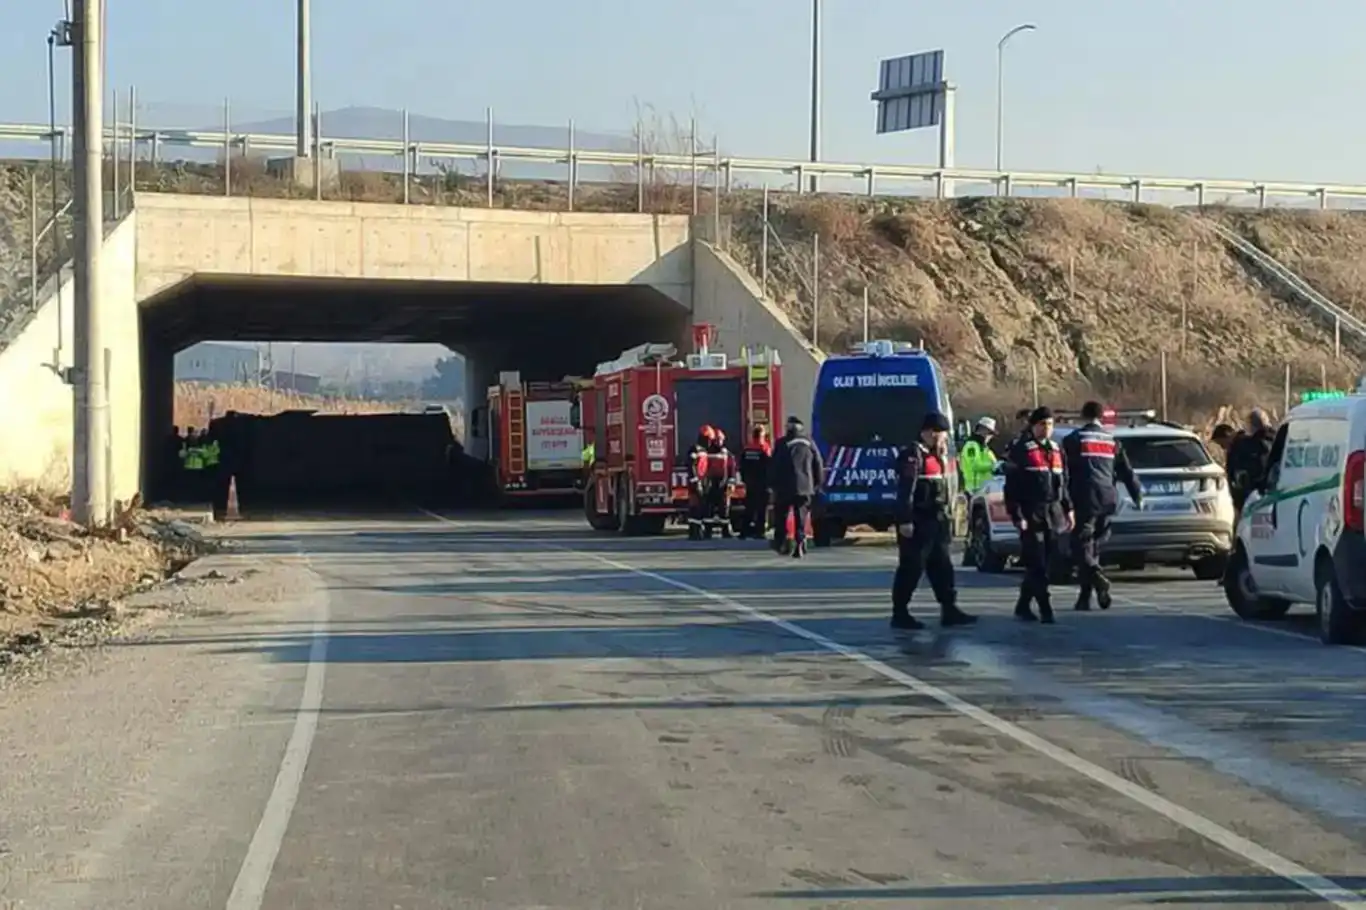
(756,511)
(925,552)
(1091,530)
(1037,543)
(798,507)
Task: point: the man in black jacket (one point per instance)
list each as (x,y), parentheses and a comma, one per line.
(797,472)
(924,526)
(1095,460)
(754,471)
(1036,497)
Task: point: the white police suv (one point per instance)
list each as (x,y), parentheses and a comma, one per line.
(1186,517)
(1300,536)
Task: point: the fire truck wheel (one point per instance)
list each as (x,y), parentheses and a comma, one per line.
(596,520)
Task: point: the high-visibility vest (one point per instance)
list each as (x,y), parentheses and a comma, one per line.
(194,458)
(212,454)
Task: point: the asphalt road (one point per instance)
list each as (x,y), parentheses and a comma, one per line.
(514,713)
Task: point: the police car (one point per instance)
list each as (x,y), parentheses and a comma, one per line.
(1300,538)
(1186,518)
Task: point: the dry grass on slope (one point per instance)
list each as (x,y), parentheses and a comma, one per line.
(196,404)
(1088,293)
(1327,249)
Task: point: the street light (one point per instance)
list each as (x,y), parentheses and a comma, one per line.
(815,89)
(1001,89)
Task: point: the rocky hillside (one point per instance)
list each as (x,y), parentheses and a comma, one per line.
(1083,292)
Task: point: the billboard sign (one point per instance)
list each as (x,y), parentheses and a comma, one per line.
(911,92)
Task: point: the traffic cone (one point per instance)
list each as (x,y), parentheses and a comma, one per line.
(231,513)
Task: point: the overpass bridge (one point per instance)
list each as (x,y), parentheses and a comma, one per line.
(547,293)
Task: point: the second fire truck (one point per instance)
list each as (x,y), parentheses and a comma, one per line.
(534,448)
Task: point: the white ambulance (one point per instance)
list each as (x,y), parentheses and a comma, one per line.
(1300,537)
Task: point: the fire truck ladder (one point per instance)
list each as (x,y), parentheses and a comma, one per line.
(759,380)
(516,405)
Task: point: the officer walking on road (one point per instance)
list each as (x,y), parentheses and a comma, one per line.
(1095,460)
(797,472)
(924,527)
(1036,497)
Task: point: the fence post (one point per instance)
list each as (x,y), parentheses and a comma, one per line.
(317,155)
(1337,337)
(692,161)
(1163,377)
(114,139)
(573,170)
(1034,380)
(488,149)
(1323,376)
(815,290)
(33,239)
(1287,390)
(763,247)
(716,190)
(407,159)
(640,166)
(227,147)
(132,145)
(865,314)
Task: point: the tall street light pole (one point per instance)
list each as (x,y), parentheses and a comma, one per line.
(815,88)
(90,393)
(303,86)
(1001,90)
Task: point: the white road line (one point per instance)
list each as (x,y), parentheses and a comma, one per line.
(249,890)
(1254,853)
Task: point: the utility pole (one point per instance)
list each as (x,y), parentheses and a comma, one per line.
(815,89)
(304,86)
(90,477)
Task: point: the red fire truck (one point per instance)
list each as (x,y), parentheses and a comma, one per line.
(533,445)
(641,413)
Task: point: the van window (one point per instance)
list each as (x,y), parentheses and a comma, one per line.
(1156,452)
(889,416)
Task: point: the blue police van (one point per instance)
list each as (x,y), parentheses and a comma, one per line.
(868,404)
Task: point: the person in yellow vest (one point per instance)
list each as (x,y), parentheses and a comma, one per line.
(193,463)
(976,461)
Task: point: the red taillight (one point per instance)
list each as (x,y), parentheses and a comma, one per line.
(1354,491)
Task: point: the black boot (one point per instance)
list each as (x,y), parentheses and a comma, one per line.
(1045,610)
(904,621)
(1022,611)
(1103,598)
(1083,603)
(950,616)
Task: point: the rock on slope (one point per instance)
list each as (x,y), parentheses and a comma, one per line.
(1085,290)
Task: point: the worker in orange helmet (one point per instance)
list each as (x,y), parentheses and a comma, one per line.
(722,475)
(699,467)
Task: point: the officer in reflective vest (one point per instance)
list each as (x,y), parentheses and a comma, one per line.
(1095,460)
(925,527)
(1037,499)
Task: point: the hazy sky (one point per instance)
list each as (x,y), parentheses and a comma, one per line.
(1210,88)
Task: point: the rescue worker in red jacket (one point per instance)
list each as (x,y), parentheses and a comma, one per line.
(698,466)
(754,461)
(924,528)
(1036,496)
(721,479)
(1095,461)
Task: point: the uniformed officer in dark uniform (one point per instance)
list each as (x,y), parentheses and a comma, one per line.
(925,527)
(1095,460)
(1037,499)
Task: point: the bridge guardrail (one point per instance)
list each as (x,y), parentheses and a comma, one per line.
(725,168)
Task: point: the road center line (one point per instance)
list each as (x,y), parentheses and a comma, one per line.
(249,890)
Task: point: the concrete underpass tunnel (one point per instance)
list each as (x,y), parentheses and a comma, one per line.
(545,332)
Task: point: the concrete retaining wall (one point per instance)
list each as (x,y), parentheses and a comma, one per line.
(36,406)
(725,295)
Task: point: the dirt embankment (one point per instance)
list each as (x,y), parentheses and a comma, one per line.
(59,582)
(1088,294)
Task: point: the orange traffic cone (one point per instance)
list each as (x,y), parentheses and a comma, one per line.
(231,513)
